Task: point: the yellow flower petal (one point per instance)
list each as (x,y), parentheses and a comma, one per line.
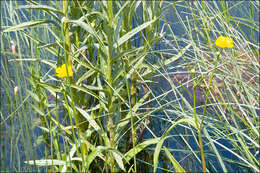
(60,75)
(229,42)
(224,42)
(61,71)
(220,42)
(92,24)
(58,70)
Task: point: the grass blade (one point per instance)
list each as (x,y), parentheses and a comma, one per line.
(176,165)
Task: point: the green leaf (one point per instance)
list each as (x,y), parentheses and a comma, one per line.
(224,169)
(39,140)
(61,126)
(44,129)
(50,49)
(34,59)
(135,67)
(119,160)
(85,76)
(29,24)
(120,11)
(41,7)
(93,123)
(131,153)
(168,61)
(126,120)
(157,152)
(92,147)
(88,91)
(128,35)
(38,110)
(164,136)
(33,95)
(88,28)
(47,162)
(46,8)
(49,87)
(88,65)
(97,151)
(129,52)
(48,63)
(69,157)
(176,57)
(90,119)
(176,165)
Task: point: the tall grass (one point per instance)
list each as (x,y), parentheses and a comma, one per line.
(146,94)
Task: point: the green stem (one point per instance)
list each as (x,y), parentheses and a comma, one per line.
(109,80)
(199,126)
(199,132)
(207,94)
(132,101)
(68,59)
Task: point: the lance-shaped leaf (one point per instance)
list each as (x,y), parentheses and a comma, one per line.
(176,165)
(138,148)
(98,151)
(165,136)
(46,8)
(88,28)
(94,124)
(47,162)
(131,33)
(29,24)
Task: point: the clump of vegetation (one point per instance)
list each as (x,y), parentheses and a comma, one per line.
(112,86)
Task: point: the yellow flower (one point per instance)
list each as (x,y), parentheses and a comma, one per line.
(92,24)
(229,42)
(224,42)
(61,71)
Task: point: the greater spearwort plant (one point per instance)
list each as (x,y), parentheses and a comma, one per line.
(222,42)
(117,86)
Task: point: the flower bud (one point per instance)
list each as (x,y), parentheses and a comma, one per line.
(16,89)
(13,47)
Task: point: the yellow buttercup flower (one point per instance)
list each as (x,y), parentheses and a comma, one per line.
(92,24)
(61,71)
(224,42)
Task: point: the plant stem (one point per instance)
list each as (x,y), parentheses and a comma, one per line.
(78,117)
(199,132)
(207,94)
(109,80)
(199,126)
